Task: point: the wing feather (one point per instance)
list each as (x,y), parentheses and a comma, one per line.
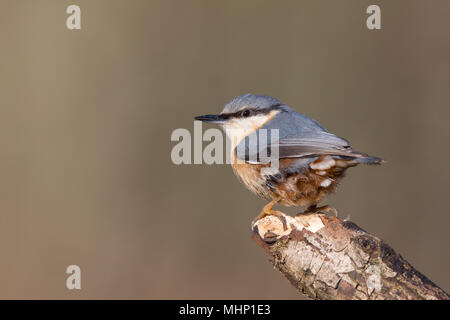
(298,136)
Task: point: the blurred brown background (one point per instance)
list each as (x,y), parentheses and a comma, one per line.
(86,119)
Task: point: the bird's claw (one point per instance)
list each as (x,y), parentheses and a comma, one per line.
(268,211)
(323,209)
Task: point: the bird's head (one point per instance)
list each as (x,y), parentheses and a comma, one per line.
(244,115)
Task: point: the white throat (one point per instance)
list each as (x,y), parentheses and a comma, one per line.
(237,129)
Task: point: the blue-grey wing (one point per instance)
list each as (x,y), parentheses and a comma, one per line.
(295,136)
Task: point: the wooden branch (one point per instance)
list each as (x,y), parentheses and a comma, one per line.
(328,258)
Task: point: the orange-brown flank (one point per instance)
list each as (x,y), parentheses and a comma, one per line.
(299,182)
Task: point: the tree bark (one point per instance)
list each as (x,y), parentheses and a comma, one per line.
(328,258)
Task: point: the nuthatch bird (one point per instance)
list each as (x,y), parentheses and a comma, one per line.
(311,161)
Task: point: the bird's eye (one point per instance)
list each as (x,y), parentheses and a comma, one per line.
(246,113)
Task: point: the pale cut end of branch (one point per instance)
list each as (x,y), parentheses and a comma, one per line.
(328,258)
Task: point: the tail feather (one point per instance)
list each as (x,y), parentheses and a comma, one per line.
(370,160)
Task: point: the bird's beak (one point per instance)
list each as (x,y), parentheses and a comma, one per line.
(211,118)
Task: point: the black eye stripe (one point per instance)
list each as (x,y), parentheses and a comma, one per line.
(225,116)
(239,114)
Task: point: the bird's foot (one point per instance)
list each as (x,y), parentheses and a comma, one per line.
(321,209)
(268,211)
